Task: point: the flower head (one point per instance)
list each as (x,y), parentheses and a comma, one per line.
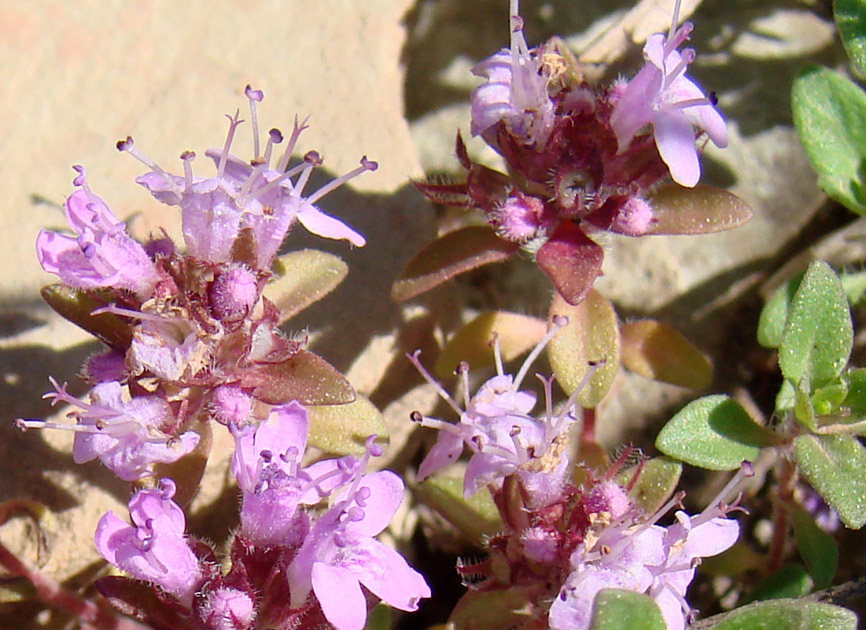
(250,196)
(504,438)
(267,467)
(129,437)
(341,553)
(661,95)
(101,254)
(153,548)
(515,91)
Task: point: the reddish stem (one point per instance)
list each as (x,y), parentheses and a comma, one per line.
(781,502)
(91,614)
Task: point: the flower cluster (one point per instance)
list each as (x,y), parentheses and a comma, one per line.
(581,158)
(285,550)
(194,340)
(569,540)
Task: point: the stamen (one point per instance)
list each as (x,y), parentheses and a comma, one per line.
(274,137)
(463,372)
(572,400)
(557,324)
(127,312)
(254,96)
(258,192)
(439,389)
(366,165)
(187,157)
(497,354)
(128,146)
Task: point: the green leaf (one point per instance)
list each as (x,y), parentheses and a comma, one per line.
(657,351)
(343,429)
(614,609)
(592,335)
(713,432)
(856,398)
(510,607)
(379,618)
(786,399)
(302,278)
(816,547)
(854,284)
(476,517)
(826,400)
(790,614)
(304,377)
(77,306)
(657,479)
(834,465)
(454,253)
(851,19)
(774,315)
(699,210)
(792,580)
(818,335)
(830,117)
(473,342)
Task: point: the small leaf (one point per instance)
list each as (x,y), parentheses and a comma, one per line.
(774,315)
(592,335)
(76,305)
(713,432)
(834,465)
(659,352)
(473,343)
(854,285)
(851,19)
(792,580)
(302,278)
(786,399)
(656,482)
(855,400)
(304,377)
(826,400)
(450,255)
(571,260)
(816,547)
(789,614)
(497,609)
(476,517)
(830,116)
(818,335)
(699,210)
(343,429)
(614,609)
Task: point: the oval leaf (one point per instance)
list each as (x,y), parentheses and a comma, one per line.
(591,336)
(76,305)
(774,315)
(476,517)
(302,278)
(789,614)
(834,465)
(792,580)
(343,429)
(497,609)
(304,377)
(713,432)
(614,609)
(454,253)
(473,343)
(830,116)
(818,335)
(816,547)
(851,19)
(699,210)
(656,482)
(571,260)
(659,352)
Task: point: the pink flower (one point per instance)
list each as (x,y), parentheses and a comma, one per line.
(129,437)
(267,466)
(101,254)
(661,95)
(245,194)
(515,91)
(341,554)
(154,548)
